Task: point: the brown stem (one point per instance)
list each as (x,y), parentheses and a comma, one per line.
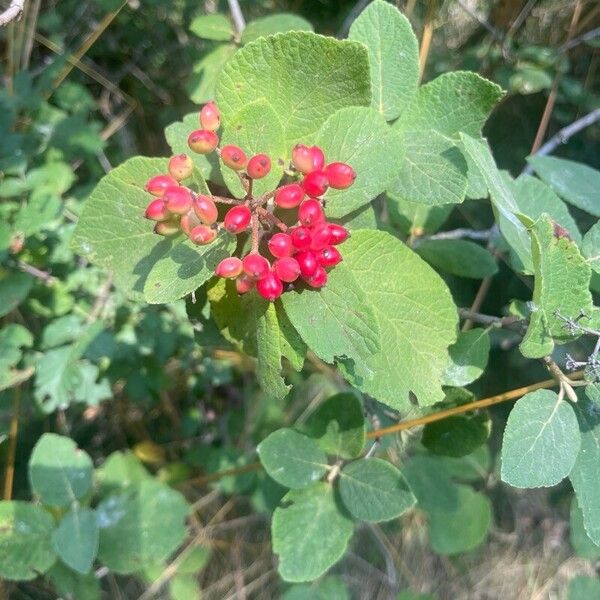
(263,212)
(255,233)
(12,447)
(222,200)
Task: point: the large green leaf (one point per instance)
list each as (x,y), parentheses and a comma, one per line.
(580,540)
(360,137)
(541,441)
(271,24)
(25,545)
(140,525)
(374,490)
(59,472)
(76,539)
(591,247)
(458,257)
(292,459)
(393,56)
(562,279)
(215,27)
(303,76)
(468,357)
(309,533)
(575,182)
(417,320)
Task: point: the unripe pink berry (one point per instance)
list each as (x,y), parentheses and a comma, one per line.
(203,141)
(281,245)
(178,199)
(315,183)
(318,279)
(289,196)
(307,261)
(310,212)
(188,222)
(167,228)
(205,209)
(338,234)
(287,269)
(237,219)
(181,166)
(256,266)
(244,284)
(270,287)
(321,236)
(210,116)
(229,267)
(233,157)
(159,183)
(301,237)
(157,211)
(307,159)
(329,256)
(258,166)
(340,175)
(202,235)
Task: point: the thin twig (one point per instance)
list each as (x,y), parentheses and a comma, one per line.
(495,33)
(586,37)
(12,444)
(476,317)
(460,233)
(427,36)
(237,16)
(354,12)
(13,12)
(43,276)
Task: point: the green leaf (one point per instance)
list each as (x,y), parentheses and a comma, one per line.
(13,338)
(59,472)
(583,588)
(540,442)
(468,357)
(14,288)
(292,459)
(393,56)
(562,280)
(374,490)
(338,424)
(458,257)
(76,539)
(591,247)
(360,137)
(184,587)
(417,218)
(215,27)
(303,76)
(255,129)
(503,201)
(202,83)
(586,471)
(73,585)
(272,24)
(416,316)
(309,533)
(580,541)
(336,322)
(25,546)
(575,182)
(291,344)
(41,209)
(120,470)
(326,588)
(140,525)
(456,436)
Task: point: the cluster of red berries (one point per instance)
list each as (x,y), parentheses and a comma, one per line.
(288,223)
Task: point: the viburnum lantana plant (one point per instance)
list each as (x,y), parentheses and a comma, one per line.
(290,237)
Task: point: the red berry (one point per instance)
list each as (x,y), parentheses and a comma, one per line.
(159,183)
(310,212)
(157,211)
(202,235)
(289,196)
(229,267)
(258,166)
(233,157)
(203,141)
(338,234)
(181,166)
(270,287)
(307,159)
(178,199)
(329,257)
(301,237)
(210,117)
(287,269)
(318,279)
(315,183)
(244,284)
(256,266)
(205,209)
(237,219)
(307,261)
(340,175)
(321,236)
(167,228)
(281,245)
